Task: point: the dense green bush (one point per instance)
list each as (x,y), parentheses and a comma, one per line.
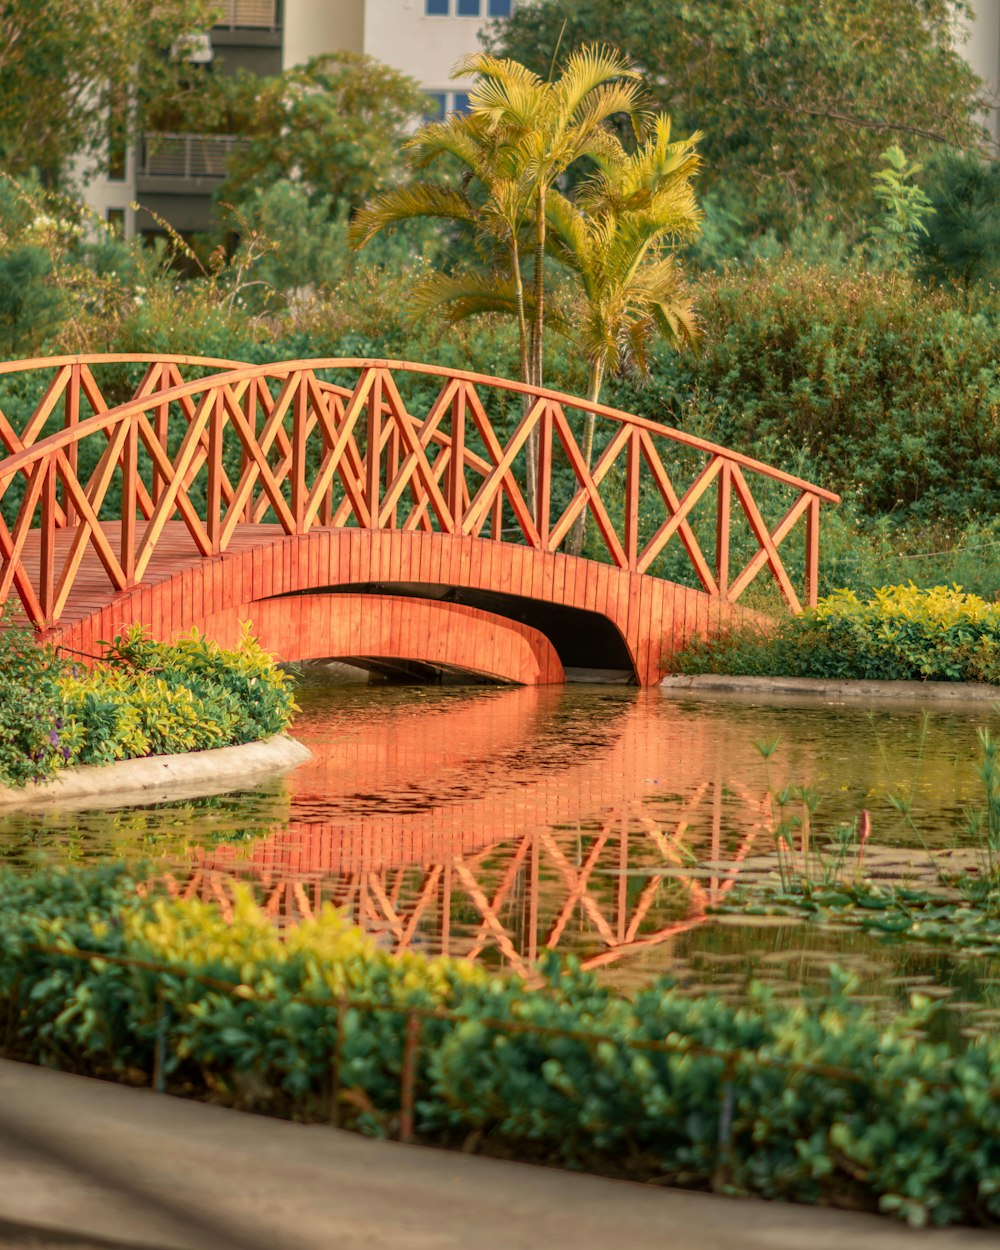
(871,384)
(900,633)
(144,698)
(31,707)
(820,1101)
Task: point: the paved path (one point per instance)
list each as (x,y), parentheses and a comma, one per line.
(86,1165)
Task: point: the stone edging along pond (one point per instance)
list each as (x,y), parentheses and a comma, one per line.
(158,777)
(942,692)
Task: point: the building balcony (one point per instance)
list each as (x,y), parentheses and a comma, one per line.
(183,164)
(249,15)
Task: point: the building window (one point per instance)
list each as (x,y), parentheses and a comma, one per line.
(444,103)
(115,217)
(438,106)
(468,8)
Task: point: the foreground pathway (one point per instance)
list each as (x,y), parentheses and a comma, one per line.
(86,1164)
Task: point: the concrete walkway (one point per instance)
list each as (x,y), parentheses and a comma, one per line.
(86,1164)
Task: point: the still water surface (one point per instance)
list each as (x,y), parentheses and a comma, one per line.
(494,823)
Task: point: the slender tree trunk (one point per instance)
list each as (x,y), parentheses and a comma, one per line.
(579,530)
(522,321)
(527,373)
(539,286)
(537,335)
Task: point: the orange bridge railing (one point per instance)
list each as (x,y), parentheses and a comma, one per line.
(376,444)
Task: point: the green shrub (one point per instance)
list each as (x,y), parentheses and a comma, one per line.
(145,698)
(31,707)
(901,633)
(822,1101)
(870,384)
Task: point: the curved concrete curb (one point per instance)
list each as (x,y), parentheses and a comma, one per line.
(159,777)
(821,688)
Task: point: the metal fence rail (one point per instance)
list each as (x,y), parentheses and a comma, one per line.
(186,155)
(249,15)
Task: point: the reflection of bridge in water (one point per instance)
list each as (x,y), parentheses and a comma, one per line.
(495,825)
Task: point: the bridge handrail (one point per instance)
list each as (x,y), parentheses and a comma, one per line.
(380,466)
(35,363)
(98,422)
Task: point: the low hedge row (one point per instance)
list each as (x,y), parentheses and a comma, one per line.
(900,633)
(822,1101)
(141,698)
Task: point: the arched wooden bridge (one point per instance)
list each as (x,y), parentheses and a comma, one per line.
(365,509)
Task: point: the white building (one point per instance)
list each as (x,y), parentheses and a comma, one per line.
(981,45)
(175,175)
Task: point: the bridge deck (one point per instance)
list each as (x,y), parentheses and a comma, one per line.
(176,551)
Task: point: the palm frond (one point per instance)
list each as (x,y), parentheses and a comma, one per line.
(404,203)
(590,67)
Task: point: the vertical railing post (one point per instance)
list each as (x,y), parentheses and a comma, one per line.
(633,463)
(161,422)
(47,569)
(300,412)
(723,522)
(543,492)
(456,466)
(408,1076)
(72,402)
(213,495)
(812,552)
(373,451)
(250,412)
(392,457)
(130,493)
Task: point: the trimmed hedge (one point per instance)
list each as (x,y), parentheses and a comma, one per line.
(142,698)
(900,633)
(817,1102)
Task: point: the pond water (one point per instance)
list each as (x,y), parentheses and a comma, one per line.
(496,822)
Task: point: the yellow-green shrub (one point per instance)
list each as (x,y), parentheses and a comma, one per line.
(900,633)
(822,1100)
(143,698)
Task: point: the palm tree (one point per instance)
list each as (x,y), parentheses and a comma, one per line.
(618,239)
(521,135)
(494,217)
(547,126)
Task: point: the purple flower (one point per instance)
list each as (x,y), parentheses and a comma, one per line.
(53,737)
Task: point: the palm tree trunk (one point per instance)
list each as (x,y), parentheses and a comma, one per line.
(537,335)
(522,322)
(527,373)
(579,530)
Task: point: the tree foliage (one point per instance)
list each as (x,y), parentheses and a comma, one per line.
(796,99)
(961,243)
(333,126)
(76,73)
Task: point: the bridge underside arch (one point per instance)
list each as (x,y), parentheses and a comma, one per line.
(267,577)
(389,627)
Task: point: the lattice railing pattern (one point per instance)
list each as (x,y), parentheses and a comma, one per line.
(381,445)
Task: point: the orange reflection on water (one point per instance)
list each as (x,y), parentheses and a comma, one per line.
(496,824)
